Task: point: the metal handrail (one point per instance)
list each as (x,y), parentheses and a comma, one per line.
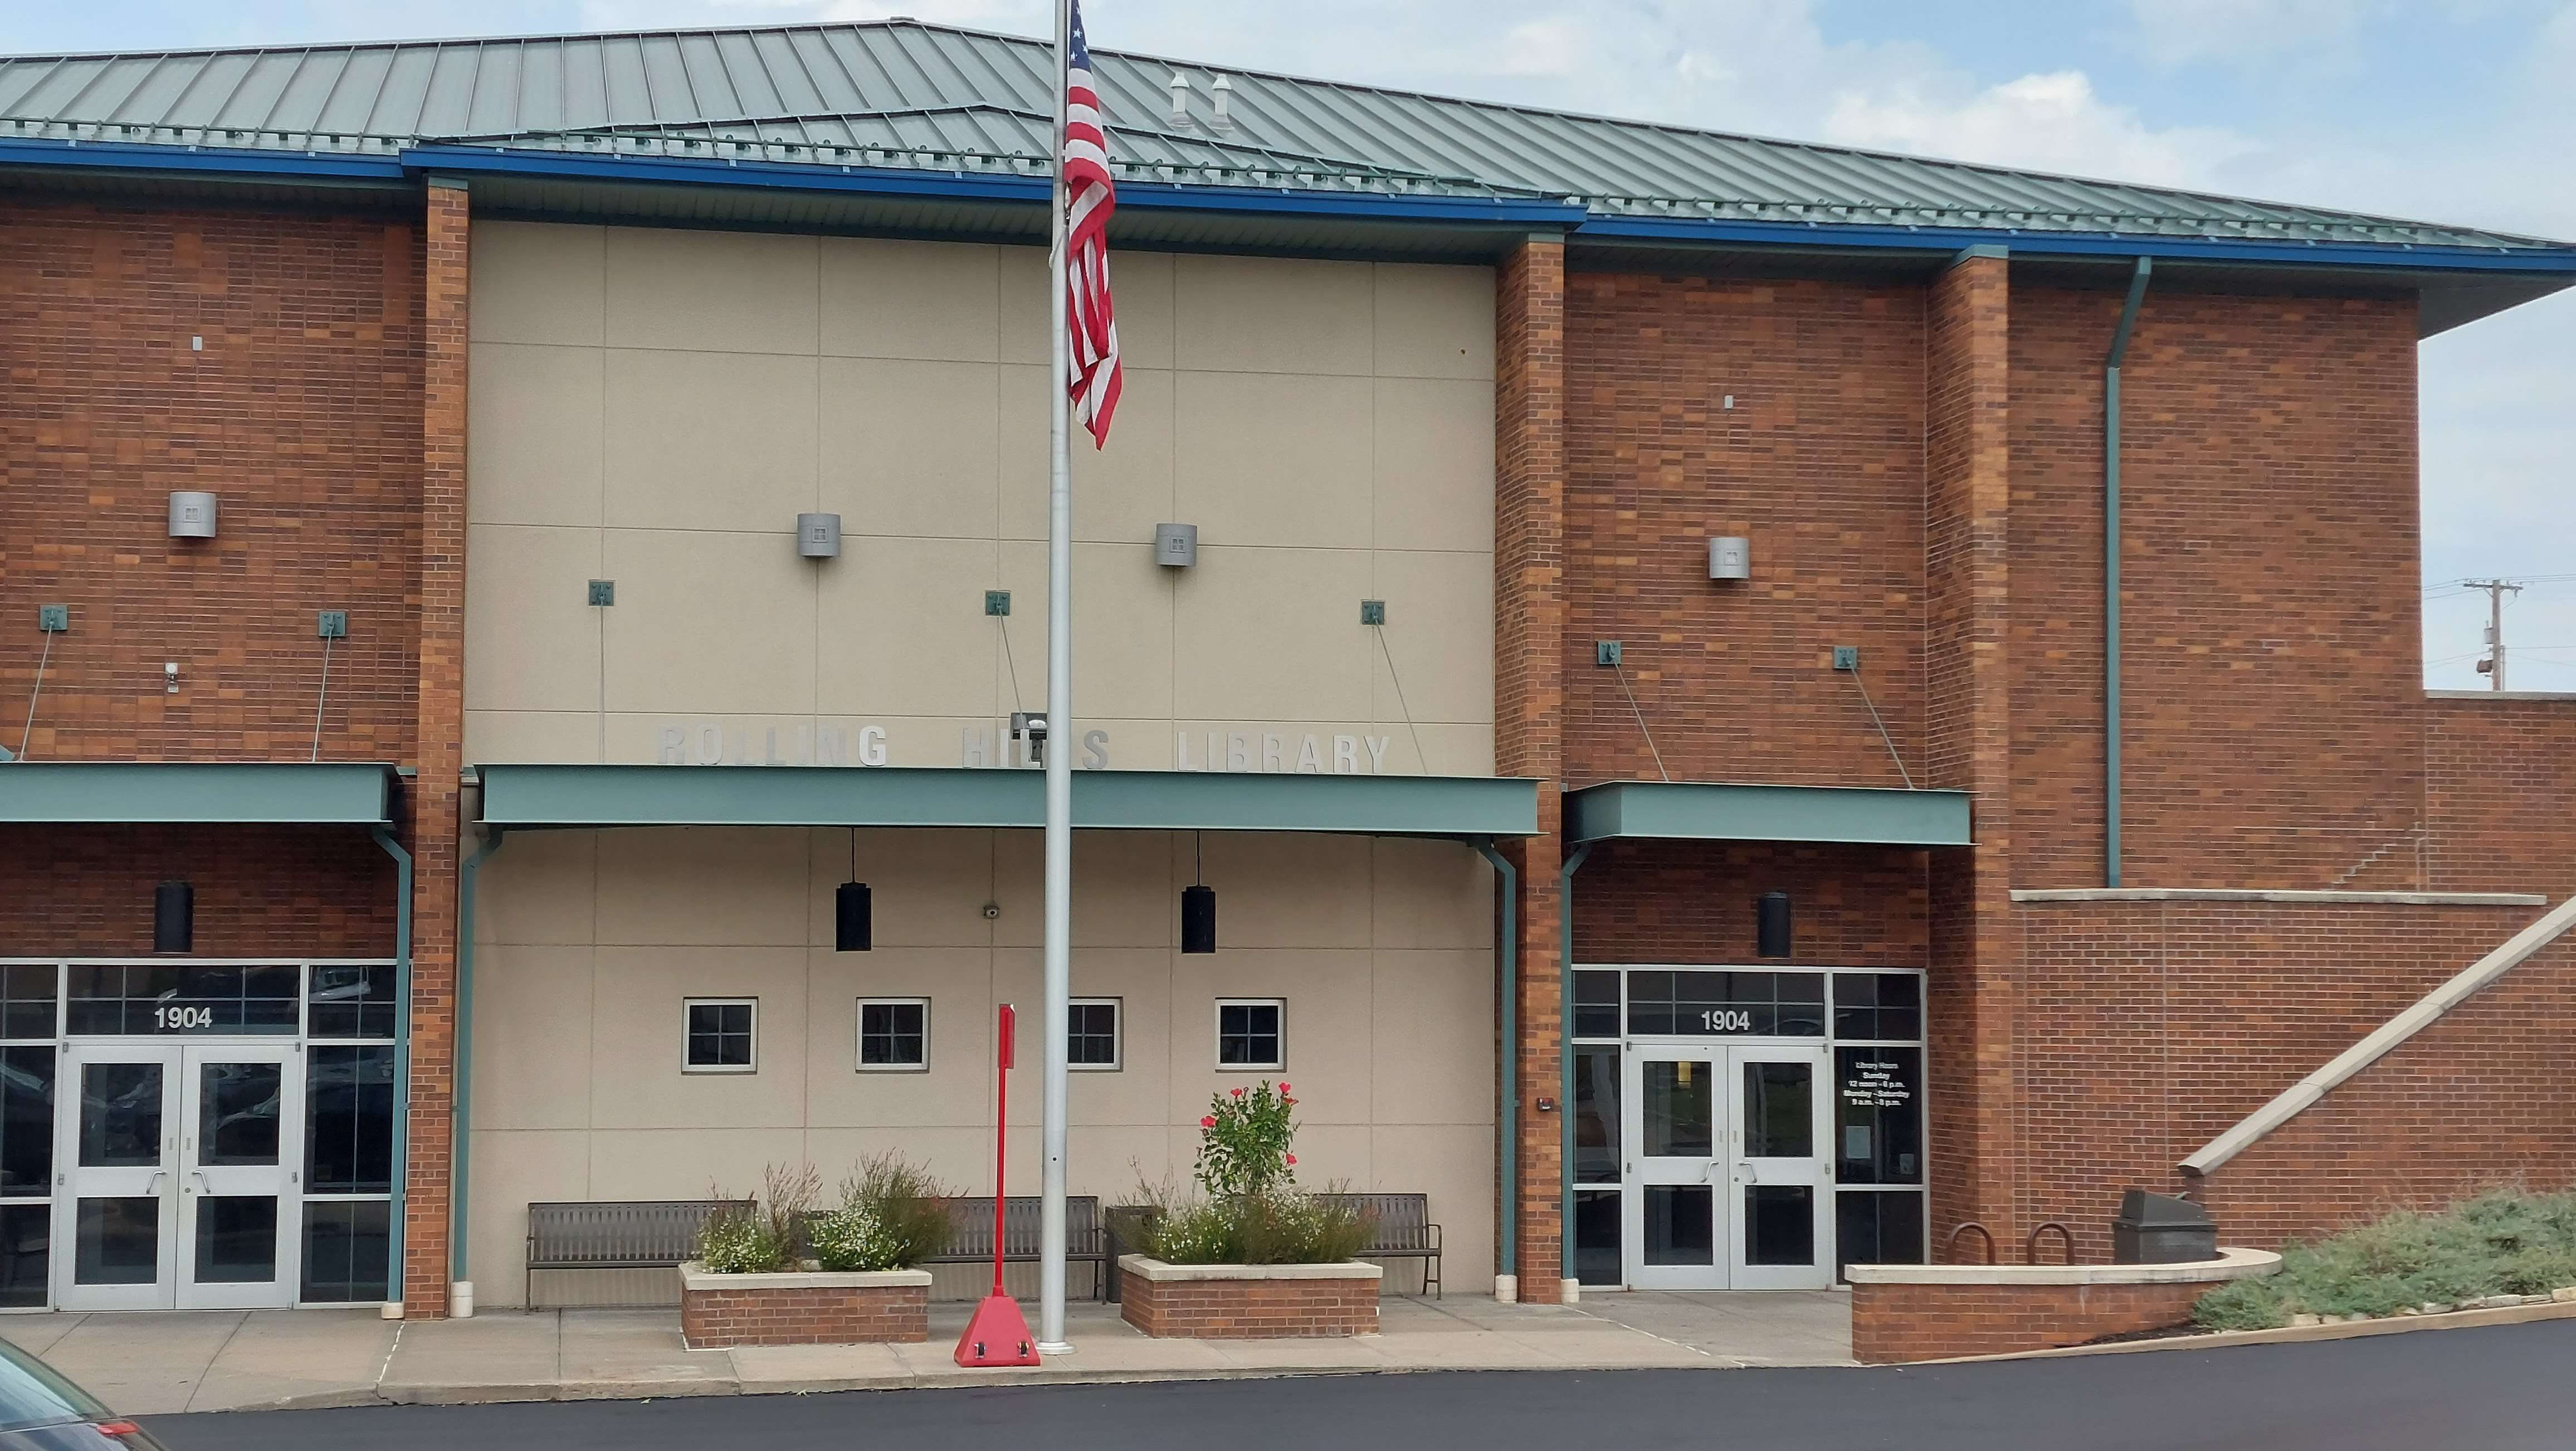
(1982,1233)
(2030,1246)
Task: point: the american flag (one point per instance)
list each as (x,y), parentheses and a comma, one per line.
(1090,196)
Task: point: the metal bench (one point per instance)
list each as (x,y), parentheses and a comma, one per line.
(970,1234)
(642,1235)
(1400,1228)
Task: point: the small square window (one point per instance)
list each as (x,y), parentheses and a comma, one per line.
(1251,1034)
(1091,1034)
(894,1035)
(720,1035)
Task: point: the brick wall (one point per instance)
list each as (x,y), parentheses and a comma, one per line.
(1820,464)
(1892,1324)
(301,413)
(1681,901)
(2273,667)
(1248,1309)
(2149,1028)
(804,1315)
(2500,795)
(1529,710)
(262,891)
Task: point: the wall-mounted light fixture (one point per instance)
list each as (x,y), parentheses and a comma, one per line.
(1198,907)
(818,536)
(1771,925)
(1176,546)
(192,515)
(174,917)
(1730,558)
(853,909)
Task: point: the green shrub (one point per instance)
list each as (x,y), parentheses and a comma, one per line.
(1283,1227)
(738,1240)
(2500,1242)
(853,1237)
(905,1202)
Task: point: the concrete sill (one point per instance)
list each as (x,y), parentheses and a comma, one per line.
(695,1276)
(2248,894)
(1147,1268)
(2231,1264)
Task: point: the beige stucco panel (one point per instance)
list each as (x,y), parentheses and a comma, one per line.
(707,440)
(929,887)
(496,736)
(954,1090)
(684,1163)
(537,447)
(1434,321)
(1143,282)
(1434,464)
(909,448)
(1124,894)
(540,888)
(513,1170)
(1437,660)
(709,622)
(883,298)
(531,638)
(1433,1033)
(713,886)
(1436,894)
(737,292)
(1289,889)
(1141,978)
(533,1010)
(1274,635)
(1120,491)
(907,629)
(538,282)
(1273,315)
(1328,1028)
(1122,624)
(1454,1164)
(637,1032)
(1275,459)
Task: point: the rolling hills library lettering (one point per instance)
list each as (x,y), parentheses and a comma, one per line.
(1019,745)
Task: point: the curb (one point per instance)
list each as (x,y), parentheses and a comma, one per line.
(2290,1335)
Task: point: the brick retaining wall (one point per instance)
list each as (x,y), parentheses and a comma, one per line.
(1243,1309)
(753,1314)
(1897,1323)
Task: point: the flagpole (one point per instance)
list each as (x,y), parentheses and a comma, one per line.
(1059,744)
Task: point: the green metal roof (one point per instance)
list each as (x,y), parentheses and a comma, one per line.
(908,95)
(1718,811)
(136,793)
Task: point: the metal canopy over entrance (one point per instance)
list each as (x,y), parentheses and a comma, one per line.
(1464,807)
(176,793)
(1718,811)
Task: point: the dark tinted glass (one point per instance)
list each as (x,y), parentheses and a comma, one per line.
(237,1112)
(171,1001)
(120,1115)
(1596,1116)
(1596,1237)
(1092,1034)
(1725,1004)
(117,1241)
(1681,1224)
(1883,1005)
(27,1001)
(1879,1226)
(236,1239)
(720,1035)
(351,1002)
(1878,1115)
(1779,1110)
(345,1247)
(1247,1035)
(1779,1224)
(26,1261)
(349,1106)
(893,1035)
(26,1120)
(1596,1005)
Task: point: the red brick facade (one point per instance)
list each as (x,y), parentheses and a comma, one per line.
(267,891)
(1893,1324)
(804,1315)
(1248,1309)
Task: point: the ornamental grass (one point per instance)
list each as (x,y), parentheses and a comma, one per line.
(2502,1242)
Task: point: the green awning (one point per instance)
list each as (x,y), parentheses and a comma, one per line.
(575,796)
(173,793)
(1711,811)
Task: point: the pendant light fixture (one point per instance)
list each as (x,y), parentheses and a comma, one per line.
(174,917)
(1198,906)
(853,909)
(1771,925)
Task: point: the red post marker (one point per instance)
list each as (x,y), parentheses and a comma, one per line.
(999,1334)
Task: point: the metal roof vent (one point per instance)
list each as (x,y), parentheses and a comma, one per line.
(1180,86)
(1222,89)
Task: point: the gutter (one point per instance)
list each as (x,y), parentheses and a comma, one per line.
(402,1059)
(1565,1043)
(2296,1099)
(1507,1161)
(461,1137)
(2111,571)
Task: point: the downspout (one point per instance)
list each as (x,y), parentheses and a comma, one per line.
(1507,1162)
(1565,1000)
(402,1056)
(2111,572)
(461,1153)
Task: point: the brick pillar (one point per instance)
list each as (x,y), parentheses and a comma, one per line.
(1529,710)
(1967,488)
(435,825)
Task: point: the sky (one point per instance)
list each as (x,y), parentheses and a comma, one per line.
(2446,112)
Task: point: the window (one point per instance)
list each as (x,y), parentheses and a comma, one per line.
(1249,1034)
(1091,1035)
(1706,1003)
(721,1035)
(1879,1005)
(1596,1004)
(894,1034)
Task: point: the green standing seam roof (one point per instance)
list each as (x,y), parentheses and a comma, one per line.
(904,796)
(1712,811)
(169,793)
(905,94)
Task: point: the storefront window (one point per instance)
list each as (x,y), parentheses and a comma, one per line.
(1596,1237)
(349,1103)
(1880,1005)
(1878,1115)
(351,1002)
(1726,1003)
(166,1001)
(1596,1115)
(1879,1226)
(1596,1004)
(27,1119)
(27,993)
(347,1244)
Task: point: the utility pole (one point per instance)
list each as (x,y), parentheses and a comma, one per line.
(2493,666)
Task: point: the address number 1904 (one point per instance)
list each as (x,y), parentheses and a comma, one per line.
(168,1016)
(1726,1020)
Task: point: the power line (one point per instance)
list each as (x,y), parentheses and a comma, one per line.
(2493,666)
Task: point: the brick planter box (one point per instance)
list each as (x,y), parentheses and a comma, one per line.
(813,1308)
(1244,1302)
(1936,1312)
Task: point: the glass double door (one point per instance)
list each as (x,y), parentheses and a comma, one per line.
(1726,1181)
(179,1170)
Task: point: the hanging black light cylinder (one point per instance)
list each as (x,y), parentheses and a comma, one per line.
(853,918)
(1198,919)
(1771,925)
(174,917)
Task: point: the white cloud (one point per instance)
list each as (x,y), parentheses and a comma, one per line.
(2248,31)
(2046,122)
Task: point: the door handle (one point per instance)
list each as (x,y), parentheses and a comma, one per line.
(204,1186)
(154,1187)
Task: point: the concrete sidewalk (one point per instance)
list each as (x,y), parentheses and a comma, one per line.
(159,1363)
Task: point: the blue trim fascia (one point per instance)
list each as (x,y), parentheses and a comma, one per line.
(212,160)
(967,186)
(2030,242)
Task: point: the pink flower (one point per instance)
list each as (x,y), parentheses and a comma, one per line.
(1209,1122)
(1292,1161)
(1238,1093)
(1283,1090)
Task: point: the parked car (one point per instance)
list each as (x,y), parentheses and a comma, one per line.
(41,1410)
